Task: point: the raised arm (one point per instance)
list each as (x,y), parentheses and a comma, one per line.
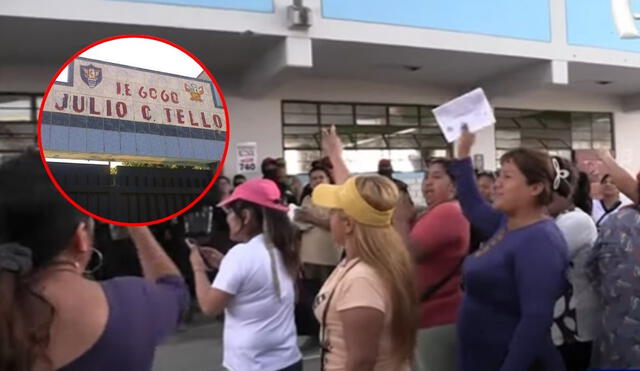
(154,261)
(479,213)
(213,300)
(623,180)
(332,147)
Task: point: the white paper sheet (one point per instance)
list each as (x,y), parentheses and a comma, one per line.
(472,109)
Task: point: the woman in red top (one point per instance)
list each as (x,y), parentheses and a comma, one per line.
(439,240)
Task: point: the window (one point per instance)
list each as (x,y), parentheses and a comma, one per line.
(369,132)
(18,122)
(557,133)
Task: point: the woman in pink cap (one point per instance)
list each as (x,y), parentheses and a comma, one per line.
(255,281)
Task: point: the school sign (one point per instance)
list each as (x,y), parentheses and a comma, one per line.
(112,112)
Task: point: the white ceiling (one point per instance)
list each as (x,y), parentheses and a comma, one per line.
(46,42)
(391,63)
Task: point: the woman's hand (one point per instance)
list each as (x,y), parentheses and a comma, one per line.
(197,263)
(604,155)
(212,256)
(465,142)
(303,215)
(331,142)
(204,257)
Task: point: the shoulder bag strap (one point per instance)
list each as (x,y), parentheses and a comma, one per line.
(430,291)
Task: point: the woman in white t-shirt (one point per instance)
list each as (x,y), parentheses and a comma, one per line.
(576,313)
(255,281)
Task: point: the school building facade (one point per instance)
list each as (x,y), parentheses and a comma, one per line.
(558,73)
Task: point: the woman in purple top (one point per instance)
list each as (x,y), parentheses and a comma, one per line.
(51,316)
(513,281)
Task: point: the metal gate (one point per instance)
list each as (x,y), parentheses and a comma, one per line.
(133,194)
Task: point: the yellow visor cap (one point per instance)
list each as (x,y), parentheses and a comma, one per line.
(347,198)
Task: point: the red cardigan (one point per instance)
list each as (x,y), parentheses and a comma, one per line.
(443,233)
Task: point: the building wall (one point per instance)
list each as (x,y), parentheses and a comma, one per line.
(260,120)
(627,134)
(25,79)
(455,29)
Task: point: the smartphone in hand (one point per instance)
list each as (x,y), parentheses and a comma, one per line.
(193,244)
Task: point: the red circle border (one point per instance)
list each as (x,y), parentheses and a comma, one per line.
(115,222)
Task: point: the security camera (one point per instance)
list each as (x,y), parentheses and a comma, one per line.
(298,15)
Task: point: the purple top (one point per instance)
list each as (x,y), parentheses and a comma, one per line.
(510,291)
(141,314)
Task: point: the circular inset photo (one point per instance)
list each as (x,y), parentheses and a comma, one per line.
(133,130)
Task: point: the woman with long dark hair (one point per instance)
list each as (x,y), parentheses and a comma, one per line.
(51,316)
(582,195)
(255,281)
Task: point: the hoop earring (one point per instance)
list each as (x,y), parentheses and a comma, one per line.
(100,262)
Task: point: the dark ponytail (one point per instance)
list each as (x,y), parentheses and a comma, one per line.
(282,234)
(582,194)
(35,217)
(25,324)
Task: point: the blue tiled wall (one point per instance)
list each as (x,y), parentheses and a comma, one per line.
(521,19)
(73,133)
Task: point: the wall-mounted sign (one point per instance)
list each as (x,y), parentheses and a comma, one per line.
(111,111)
(247,154)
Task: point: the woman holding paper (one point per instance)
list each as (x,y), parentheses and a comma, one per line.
(51,316)
(513,281)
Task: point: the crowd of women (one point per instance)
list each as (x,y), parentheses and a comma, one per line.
(516,272)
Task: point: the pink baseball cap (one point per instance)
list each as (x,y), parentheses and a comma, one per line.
(263,192)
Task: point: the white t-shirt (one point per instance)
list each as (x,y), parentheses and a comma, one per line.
(598,209)
(259,328)
(580,232)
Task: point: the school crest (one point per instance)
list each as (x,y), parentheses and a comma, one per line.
(91,75)
(196,92)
